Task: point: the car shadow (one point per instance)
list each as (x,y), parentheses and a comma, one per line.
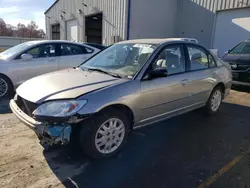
(4,106)
(177,152)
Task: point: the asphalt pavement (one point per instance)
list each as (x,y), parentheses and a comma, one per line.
(192,150)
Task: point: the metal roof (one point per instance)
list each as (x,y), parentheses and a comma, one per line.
(51,6)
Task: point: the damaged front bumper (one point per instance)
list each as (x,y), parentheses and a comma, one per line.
(47,133)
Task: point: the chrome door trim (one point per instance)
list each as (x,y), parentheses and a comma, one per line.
(188,109)
(191,95)
(166,113)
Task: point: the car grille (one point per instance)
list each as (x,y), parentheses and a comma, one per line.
(25,105)
(240,67)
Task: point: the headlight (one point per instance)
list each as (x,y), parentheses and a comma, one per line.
(59,108)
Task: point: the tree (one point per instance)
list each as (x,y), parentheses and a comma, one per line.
(30,31)
(4,30)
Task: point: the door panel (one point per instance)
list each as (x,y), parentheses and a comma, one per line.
(72,61)
(35,67)
(163,95)
(44,61)
(201,77)
(200,85)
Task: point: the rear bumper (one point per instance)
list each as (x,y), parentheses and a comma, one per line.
(50,134)
(241,77)
(241,83)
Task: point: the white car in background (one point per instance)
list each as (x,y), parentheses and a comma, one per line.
(34,58)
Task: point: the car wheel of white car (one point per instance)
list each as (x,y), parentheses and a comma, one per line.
(5,87)
(214,101)
(105,134)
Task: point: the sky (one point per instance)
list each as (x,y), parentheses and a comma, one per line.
(24,11)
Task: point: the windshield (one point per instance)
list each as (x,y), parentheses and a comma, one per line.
(121,59)
(14,50)
(242,48)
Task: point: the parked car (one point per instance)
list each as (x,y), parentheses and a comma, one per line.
(129,85)
(34,58)
(239,59)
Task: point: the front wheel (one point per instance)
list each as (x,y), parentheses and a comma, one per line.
(214,101)
(105,134)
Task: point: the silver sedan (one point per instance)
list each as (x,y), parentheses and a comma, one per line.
(127,86)
(34,58)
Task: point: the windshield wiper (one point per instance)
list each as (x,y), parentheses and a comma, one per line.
(105,72)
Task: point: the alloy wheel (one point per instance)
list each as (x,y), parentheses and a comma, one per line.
(216,100)
(110,136)
(3,87)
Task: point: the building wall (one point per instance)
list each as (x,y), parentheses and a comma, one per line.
(161,18)
(237,21)
(149,19)
(114,17)
(198,17)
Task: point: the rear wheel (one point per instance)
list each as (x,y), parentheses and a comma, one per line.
(214,101)
(6,88)
(105,134)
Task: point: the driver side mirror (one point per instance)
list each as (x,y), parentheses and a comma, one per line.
(158,72)
(26,57)
(227,52)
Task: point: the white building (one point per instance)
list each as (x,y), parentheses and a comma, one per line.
(217,24)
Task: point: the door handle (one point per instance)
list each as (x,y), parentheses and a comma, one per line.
(184,82)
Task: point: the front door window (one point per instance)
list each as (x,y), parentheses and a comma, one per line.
(172,58)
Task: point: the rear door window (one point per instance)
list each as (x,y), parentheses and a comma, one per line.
(198,58)
(71,49)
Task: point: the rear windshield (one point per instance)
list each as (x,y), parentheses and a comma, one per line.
(242,48)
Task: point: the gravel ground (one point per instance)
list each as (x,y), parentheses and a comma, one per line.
(22,158)
(145,162)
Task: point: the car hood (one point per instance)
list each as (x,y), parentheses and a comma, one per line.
(237,58)
(65,84)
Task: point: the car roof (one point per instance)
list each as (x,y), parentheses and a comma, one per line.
(152,41)
(52,41)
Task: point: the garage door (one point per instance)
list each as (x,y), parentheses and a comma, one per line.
(231,27)
(72,30)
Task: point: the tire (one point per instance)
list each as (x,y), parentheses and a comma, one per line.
(98,139)
(214,101)
(6,87)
